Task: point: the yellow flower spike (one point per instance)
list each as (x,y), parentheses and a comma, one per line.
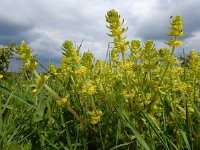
(176,31)
(116,29)
(67,45)
(176,26)
(25,55)
(135,47)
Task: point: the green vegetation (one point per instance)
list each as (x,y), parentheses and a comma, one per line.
(140,97)
(6,54)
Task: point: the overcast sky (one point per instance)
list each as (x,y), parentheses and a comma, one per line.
(45,24)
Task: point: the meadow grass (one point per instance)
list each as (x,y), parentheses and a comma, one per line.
(140,97)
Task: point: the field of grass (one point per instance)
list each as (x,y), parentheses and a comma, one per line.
(140,97)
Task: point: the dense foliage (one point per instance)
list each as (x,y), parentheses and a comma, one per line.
(6,54)
(140,97)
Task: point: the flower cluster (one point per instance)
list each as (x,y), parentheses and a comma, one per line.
(176,31)
(29,62)
(116,29)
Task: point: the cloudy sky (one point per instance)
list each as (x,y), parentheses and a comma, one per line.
(45,24)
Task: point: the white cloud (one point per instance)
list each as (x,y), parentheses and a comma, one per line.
(193,42)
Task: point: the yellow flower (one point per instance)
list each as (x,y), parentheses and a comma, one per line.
(95,119)
(175,43)
(34,90)
(43,78)
(84,89)
(1,76)
(95,116)
(46,78)
(62,102)
(91,89)
(81,71)
(53,69)
(37,81)
(127,65)
(88,89)
(27,64)
(128,95)
(77,58)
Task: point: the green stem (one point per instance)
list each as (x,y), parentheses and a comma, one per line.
(126,78)
(167,66)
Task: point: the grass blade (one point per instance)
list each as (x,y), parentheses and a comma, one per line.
(185,139)
(136,133)
(8,92)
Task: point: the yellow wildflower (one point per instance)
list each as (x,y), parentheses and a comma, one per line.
(1,76)
(77,58)
(37,81)
(53,69)
(95,116)
(91,89)
(127,65)
(62,101)
(84,89)
(34,89)
(42,79)
(175,43)
(46,77)
(81,71)
(27,64)
(95,119)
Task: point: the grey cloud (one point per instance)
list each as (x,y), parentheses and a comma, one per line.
(155,23)
(46,24)
(11,28)
(13,31)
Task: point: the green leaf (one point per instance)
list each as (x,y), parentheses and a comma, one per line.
(137,134)
(185,139)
